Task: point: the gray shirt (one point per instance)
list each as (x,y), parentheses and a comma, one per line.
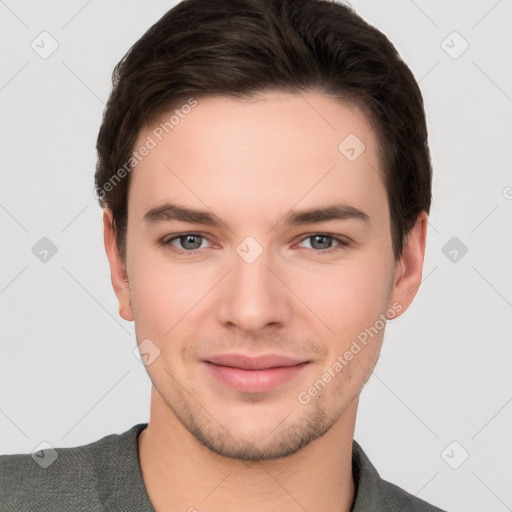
(106,476)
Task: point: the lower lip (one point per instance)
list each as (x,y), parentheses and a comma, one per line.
(254,381)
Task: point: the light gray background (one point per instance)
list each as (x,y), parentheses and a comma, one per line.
(68,373)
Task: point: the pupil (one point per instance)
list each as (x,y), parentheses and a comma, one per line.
(190,239)
(323,241)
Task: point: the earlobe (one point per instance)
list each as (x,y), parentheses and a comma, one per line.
(118,274)
(408,270)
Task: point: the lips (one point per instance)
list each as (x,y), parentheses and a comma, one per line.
(253,363)
(254,374)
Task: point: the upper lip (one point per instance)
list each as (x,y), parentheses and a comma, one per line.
(263,362)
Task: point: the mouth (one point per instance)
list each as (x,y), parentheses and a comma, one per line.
(254,374)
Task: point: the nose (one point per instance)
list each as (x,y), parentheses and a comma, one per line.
(253,296)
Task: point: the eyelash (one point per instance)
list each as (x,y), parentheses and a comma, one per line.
(166,242)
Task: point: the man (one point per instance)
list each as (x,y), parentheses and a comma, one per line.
(265,177)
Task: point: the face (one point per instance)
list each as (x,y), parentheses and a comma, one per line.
(259,268)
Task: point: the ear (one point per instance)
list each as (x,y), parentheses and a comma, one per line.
(408,269)
(118,273)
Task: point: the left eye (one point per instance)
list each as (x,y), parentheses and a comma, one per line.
(323,242)
(190,242)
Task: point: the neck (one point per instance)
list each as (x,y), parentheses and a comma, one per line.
(182,474)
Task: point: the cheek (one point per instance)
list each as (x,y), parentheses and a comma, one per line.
(160,302)
(161,294)
(346,298)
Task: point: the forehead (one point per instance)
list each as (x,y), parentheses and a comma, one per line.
(259,153)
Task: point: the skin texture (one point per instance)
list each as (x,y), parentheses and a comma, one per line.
(250,162)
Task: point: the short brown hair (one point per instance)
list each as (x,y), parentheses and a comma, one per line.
(235,48)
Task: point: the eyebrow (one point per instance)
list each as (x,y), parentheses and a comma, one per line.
(169,212)
(330,212)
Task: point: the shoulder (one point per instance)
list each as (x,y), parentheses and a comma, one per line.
(374,493)
(63,478)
